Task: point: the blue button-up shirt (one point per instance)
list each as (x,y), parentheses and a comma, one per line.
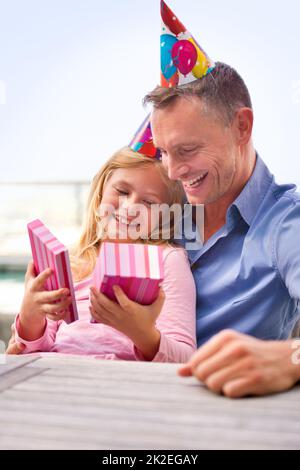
(247,274)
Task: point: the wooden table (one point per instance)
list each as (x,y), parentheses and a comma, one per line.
(57,401)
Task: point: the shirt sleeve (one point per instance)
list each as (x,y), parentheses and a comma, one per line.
(177,321)
(287,250)
(42,344)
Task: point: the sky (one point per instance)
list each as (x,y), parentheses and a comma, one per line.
(73,74)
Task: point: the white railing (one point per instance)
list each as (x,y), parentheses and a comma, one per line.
(60,205)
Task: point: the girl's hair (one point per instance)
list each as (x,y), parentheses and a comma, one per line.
(85,252)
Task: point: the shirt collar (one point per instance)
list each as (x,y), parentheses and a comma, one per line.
(252,195)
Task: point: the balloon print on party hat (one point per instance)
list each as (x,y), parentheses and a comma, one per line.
(182,59)
(142,141)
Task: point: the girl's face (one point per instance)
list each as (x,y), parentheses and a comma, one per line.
(125,192)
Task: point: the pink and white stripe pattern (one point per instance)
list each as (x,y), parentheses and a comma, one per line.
(48,252)
(136,268)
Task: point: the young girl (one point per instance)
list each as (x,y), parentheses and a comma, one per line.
(163,331)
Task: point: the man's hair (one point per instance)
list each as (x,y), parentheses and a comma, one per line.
(223,90)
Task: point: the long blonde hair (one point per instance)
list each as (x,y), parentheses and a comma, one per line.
(84,253)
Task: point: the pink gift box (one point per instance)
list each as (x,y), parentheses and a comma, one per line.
(48,252)
(136,268)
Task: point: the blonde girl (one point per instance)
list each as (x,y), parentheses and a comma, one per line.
(163,331)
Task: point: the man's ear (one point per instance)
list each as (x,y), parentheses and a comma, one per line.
(243,125)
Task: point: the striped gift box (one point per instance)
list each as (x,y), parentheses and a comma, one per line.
(48,252)
(136,268)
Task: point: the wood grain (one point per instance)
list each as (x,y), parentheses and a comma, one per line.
(70,402)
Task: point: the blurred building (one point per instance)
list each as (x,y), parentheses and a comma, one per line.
(59,205)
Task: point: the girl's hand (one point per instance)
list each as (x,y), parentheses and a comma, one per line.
(130,318)
(13,346)
(38,304)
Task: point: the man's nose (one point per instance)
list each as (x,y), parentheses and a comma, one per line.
(176,170)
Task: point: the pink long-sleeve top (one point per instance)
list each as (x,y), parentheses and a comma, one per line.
(176,322)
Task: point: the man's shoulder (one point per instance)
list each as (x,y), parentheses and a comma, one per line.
(266,196)
(287,194)
(281,206)
(285,197)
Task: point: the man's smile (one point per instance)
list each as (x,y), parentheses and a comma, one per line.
(196,182)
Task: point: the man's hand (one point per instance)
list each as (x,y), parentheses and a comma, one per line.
(238,365)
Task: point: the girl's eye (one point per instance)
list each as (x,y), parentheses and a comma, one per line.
(120,191)
(149,203)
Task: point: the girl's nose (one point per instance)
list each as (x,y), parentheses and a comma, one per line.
(130,207)
(129,201)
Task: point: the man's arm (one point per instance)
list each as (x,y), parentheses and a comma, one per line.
(238,365)
(286,249)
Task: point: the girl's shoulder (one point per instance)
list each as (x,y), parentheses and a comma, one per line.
(171,252)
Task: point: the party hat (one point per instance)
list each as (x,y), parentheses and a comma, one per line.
(142,141)
(182,59)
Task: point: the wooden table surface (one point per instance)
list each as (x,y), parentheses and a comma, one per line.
(57,401)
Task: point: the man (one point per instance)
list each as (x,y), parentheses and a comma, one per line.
(248,272)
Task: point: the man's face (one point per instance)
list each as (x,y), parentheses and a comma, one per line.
(197,148)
